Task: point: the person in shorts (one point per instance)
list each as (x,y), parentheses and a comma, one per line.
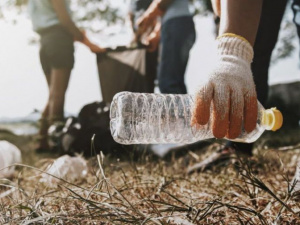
(51,19)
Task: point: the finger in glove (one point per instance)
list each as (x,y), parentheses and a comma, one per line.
(236,114)
(203,99)
(221,104)
(250,112)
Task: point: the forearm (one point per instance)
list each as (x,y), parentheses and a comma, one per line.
(157,28)
(131,19)
(65,19)
(164,4)
(158,7)
(241,17)
(216,6)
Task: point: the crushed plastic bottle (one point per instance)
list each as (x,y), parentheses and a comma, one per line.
(9,155)
(140,118)
(67,168)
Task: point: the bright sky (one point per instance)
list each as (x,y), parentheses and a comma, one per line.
(23,87)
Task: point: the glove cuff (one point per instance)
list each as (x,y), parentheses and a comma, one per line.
(234,45)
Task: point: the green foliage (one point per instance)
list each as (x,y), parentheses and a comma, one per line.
(97,14)
(17,3)
(203,7)
(11,5)
(85,11)
(285,46)
(20,2)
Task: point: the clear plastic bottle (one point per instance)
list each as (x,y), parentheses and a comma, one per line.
(140,118)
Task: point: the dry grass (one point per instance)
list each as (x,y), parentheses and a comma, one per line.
(253,191)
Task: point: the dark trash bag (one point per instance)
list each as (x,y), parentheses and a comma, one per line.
(90,133)
(126,69)
(78,133)
(120,69)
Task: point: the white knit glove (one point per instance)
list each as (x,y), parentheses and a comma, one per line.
(231,90)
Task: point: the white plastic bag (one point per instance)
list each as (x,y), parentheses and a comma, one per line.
(9,155)
(65,167)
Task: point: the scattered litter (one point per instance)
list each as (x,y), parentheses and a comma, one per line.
(65,167)
(297,178)
(162,150)
(179,221)
(9,155)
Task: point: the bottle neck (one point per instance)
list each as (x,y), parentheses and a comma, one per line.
(267,120)
(272,119)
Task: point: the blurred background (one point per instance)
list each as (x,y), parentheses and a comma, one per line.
(23,89)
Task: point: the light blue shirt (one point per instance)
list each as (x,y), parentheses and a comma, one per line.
(42,13)
(177,8)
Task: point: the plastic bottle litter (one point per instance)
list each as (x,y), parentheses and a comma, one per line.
(140,118)
(65,167)
(9,155)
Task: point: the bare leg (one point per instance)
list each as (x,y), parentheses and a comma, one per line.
(43,131)
(241,17)
(46,109)
(58,87)
(54,110)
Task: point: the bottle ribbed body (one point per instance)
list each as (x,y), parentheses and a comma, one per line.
(142,118)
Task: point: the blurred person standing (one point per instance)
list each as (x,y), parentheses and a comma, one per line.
(136,10)
(51,19)
(176,35)
(170,25)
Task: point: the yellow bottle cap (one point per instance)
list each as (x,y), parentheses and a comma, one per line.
(272,119)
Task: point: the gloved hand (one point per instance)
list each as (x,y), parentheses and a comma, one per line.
(231,90)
